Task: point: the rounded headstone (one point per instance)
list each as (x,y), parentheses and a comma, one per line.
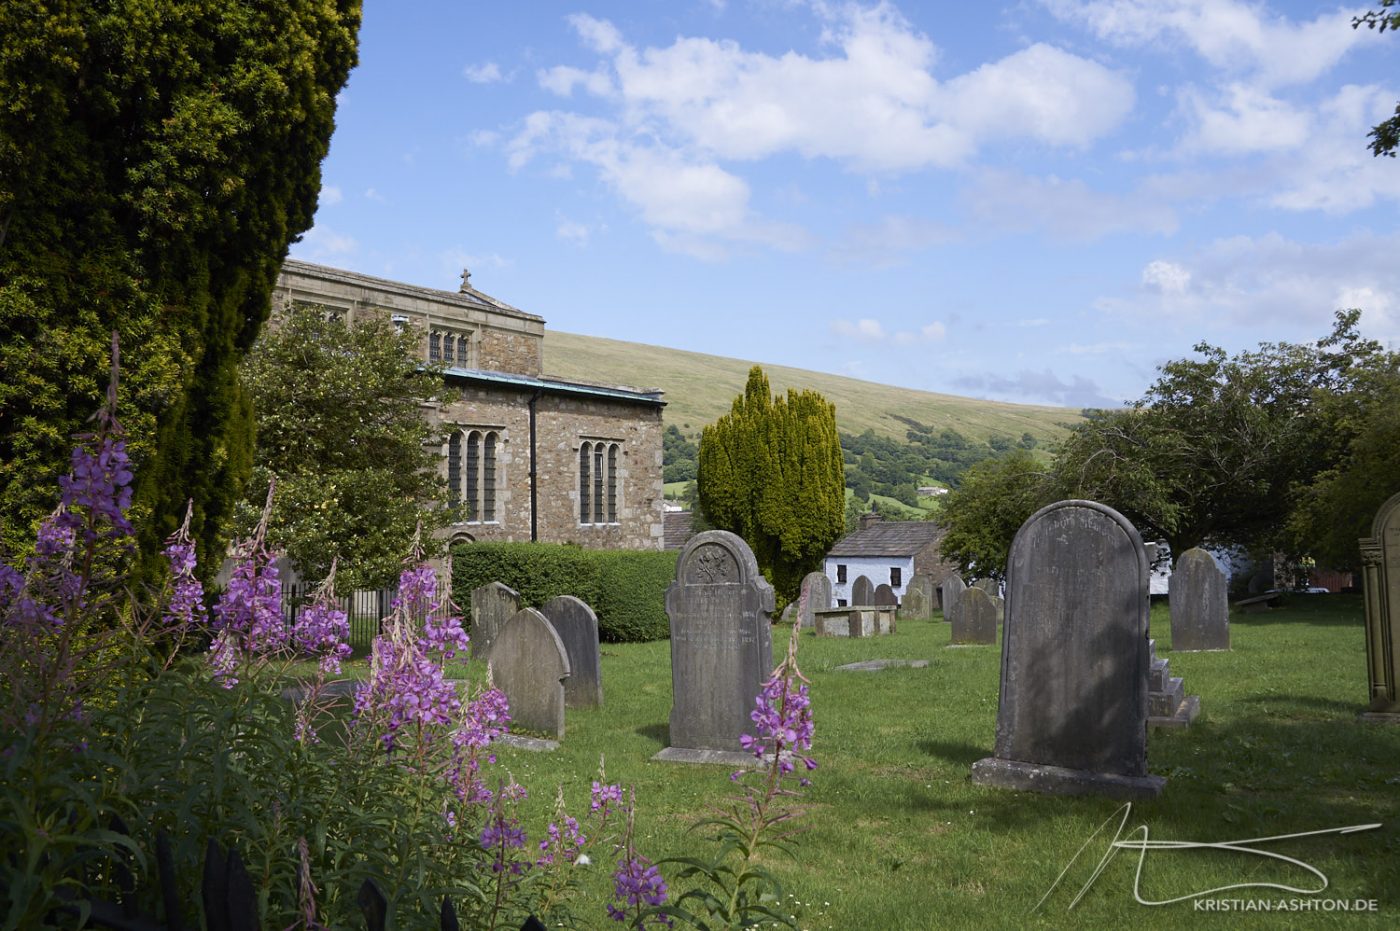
(862,592)
(815,596)
(884,596)
(975,621)
(1200,604)
(492,605)
(529,664)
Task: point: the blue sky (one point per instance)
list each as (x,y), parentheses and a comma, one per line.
(1035,201)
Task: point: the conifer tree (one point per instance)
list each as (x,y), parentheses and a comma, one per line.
(156,159)
(771,471)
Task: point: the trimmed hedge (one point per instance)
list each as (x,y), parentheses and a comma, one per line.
(625,588)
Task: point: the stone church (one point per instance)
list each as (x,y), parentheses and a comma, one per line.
(529,456)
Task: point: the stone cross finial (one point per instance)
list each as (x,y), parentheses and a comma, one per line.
(466,279)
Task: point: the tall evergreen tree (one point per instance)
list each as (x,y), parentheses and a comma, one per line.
(156,159)
(771,471)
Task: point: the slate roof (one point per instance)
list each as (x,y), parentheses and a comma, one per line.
(676,529)
(889,538)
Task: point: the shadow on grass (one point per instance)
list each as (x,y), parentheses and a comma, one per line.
(660,734)
(956,753)
(1313,610)
(1257,776)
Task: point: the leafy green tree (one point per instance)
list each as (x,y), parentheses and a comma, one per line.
(677,456)
(156,158)
(341,428)
(1385,136)
(983,514)
(1217,448)
(771,471)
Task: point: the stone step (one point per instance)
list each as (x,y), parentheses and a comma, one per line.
(1157,678)
(1164,703)
(1185,713)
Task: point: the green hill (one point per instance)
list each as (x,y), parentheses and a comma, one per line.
(699,389)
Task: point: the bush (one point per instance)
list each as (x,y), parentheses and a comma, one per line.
(625,588)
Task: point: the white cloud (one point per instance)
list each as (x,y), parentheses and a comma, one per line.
(563,79)
(865,329)
(1097,349)
(485,73)
(330,195)
(323,244)
(1032,387)
(1232,36)
(1067,208)
(572,231)
(1245,282)
(372,194)
(1335,171)
(928,333)
(1166,277)
(891,239)
(676,116)
(1243,120)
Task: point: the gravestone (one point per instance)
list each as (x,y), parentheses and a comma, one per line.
(975,620)
(884,596)
(577,627)
(815,596)
(492,605)
(1380,574)
(951,589)
(919,597)
(990,586)
(1072,717)
(721,648)
(1200,604)
(529,664)
(862,591)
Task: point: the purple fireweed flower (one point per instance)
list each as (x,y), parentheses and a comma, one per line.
(409,687)
(251,608)
(321,629)
(605,796)
(484,719)
(637,882)
(445,636)
(563,841)
(417,594)
(223,660)
(185,607)
(100,482)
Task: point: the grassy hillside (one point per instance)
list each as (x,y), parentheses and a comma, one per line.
(700,387)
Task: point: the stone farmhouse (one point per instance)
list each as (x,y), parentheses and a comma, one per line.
(531,457)
(885,552)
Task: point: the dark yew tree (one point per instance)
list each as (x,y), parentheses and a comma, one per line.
(156,159)
(771,471)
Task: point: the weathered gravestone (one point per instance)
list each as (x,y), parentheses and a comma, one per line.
(884,596)
(492,605)
(1380,574)
(919,597)
(950,591)
(990,586)
(815,596)
(721,648)
(529,664)
(975,620)
(862,591)
(1200,604)
(1072,718)
(577,627)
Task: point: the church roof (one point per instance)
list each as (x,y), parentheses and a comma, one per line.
(889,538)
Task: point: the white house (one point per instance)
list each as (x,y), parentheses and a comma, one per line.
(885,552)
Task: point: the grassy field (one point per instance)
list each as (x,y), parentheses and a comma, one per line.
(899,838)
(699,388)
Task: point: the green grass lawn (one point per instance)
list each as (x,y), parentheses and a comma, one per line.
(898,837)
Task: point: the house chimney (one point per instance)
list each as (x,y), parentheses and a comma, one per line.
(872,517)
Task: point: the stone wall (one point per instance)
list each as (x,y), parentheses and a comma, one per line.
(930,561)
(563,423)
(501,350)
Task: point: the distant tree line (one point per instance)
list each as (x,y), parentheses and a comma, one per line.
(1287,448)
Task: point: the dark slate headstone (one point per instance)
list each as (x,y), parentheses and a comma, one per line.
(920,597)
(577,627)
(721,647)
(950,591)
(1380,576)
(529,663)
(975,620)
(1072,718)
(862,591)
(1200,604)
(884,596)
(492,605)
(815,596)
